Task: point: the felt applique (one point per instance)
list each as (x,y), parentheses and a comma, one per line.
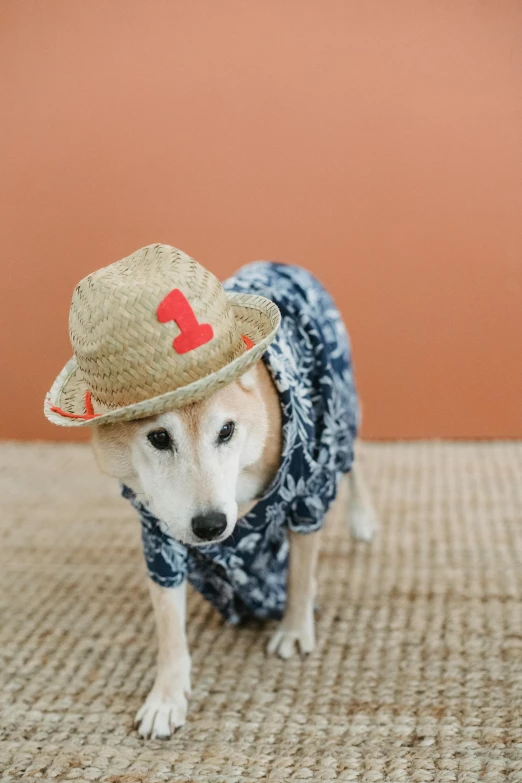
(176,307)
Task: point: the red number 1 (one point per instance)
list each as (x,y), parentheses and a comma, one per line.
(175,307)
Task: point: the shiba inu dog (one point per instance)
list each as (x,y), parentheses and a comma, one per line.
(229,416)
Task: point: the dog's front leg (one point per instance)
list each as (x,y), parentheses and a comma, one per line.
(165,708)
(297,629)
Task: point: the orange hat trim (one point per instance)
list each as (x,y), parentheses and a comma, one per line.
(89,410)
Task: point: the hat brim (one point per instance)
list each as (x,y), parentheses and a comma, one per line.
(258,319)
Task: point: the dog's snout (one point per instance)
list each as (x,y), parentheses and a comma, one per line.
(210,525)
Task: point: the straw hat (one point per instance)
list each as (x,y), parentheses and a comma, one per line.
(153,332)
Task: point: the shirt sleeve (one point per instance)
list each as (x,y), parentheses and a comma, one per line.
(309,508)
(165,558)
(324,404)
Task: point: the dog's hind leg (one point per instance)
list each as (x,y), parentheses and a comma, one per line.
(297,628)
(363,519)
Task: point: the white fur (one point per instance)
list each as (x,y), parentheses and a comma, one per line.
(363,519)
(198,474)
(297,629)
(165,708)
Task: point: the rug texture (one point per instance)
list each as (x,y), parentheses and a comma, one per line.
(417,675)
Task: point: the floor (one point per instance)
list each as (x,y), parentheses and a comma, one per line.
(417,675)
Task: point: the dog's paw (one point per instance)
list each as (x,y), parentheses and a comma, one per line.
(160,716)
(364,523)
(286,641)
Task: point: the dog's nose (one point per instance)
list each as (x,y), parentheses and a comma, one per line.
(209,526)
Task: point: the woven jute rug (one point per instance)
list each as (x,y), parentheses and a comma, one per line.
(417,674)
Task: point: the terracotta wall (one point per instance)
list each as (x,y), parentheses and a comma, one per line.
(377,143)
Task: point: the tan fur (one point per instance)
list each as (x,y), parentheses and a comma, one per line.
(267,466)
(110,443)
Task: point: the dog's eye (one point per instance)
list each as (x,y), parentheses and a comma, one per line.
(160,439)
(226,432)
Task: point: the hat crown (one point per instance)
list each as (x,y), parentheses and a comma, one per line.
(148,324)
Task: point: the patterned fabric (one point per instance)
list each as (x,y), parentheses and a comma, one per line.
(310,362)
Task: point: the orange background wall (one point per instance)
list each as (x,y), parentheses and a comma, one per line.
(377,143)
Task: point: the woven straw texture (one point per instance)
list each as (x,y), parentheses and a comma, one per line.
(126,357)
(123,350)
(418,671)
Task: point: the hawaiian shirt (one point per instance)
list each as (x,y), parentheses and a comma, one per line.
(310,363)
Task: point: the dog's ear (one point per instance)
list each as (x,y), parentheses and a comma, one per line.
(110,443)
(249,379)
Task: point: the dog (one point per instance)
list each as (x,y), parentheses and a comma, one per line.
(199,479)
(233,486)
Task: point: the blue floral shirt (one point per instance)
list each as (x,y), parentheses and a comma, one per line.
(310,363)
